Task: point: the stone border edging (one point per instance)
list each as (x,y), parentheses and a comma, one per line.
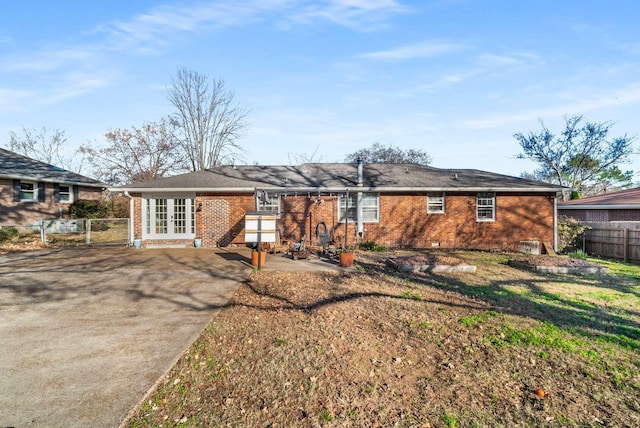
(571,270)
(432,268)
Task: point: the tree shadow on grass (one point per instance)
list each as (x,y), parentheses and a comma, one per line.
(609,323)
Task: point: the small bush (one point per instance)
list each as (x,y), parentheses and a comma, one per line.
(578,254)
(372,246)
(6,233)
(89,209)
(569,229)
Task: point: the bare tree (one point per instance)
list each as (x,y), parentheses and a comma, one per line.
(46,145)
(379,153)
(299,158)
(139,154)
(210,123)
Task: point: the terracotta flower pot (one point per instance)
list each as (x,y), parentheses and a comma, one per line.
(254,258)
(346,259)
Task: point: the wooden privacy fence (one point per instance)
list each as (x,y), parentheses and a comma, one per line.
(615,242)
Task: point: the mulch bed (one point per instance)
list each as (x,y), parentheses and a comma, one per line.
(557,264)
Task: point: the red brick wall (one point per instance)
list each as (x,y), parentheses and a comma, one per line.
(404,221)
(28,213)
(220,222)
(602,215)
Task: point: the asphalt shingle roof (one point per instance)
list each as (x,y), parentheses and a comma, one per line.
(622,197)
(14,165)
(339,176)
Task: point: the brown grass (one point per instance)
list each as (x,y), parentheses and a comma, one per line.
(379,348)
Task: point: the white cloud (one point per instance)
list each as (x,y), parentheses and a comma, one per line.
(419,50)
(12,99)
(619,97)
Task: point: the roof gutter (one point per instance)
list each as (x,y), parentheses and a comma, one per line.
(52,180)
(333,189)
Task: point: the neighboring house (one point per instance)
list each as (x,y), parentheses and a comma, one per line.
(31,190)
(623,205)
(396,205)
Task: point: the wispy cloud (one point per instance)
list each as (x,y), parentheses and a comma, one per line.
(420,50)
(622,96)
(361,15)
(10,98)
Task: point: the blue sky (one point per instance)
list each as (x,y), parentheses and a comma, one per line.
(455,78)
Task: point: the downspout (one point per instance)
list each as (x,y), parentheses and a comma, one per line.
(555,223)
(359,208)
(131,222)
(346,219)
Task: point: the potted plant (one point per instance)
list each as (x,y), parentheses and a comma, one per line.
(259,255)
(137,242)
(346,255)
(197,242)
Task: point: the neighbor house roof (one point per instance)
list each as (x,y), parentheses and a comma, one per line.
(623,199)
(335,177)
(16,166)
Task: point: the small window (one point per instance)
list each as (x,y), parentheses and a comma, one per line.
(269,202)
(486,207)
(28,191)
(370,207)
(435,203)
(66,194)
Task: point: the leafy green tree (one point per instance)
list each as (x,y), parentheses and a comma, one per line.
(583,157)
(379,153)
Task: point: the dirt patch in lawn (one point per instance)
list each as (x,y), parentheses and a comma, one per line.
(380,348)
(555,261)
(433,259)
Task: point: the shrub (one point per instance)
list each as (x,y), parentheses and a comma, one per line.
(569,229)
(89,209)
(372,246)
(6,233)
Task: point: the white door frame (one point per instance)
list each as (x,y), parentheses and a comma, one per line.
(178,221)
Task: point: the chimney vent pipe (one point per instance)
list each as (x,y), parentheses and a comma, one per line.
(360,181)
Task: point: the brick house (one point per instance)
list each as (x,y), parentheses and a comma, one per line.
(623,205)
(31,190)
(396,205)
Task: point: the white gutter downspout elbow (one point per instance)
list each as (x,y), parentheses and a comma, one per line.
(131,222)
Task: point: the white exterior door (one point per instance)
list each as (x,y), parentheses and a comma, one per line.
(168,217)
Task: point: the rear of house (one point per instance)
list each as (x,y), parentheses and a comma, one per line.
(396,205)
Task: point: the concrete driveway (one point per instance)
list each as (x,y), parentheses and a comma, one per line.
(85,332)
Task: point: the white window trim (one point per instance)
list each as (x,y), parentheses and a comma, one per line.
(440,194)
(342,207)
(493,206)
(35,191)
(70,193)
(260,207)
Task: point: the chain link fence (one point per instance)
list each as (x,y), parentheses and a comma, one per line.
(102,231)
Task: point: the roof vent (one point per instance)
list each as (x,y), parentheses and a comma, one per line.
(455,176)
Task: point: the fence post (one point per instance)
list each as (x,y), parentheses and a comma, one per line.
(88,231)
(625,244)
(43,233)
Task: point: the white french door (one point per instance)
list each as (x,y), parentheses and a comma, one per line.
(169,217)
